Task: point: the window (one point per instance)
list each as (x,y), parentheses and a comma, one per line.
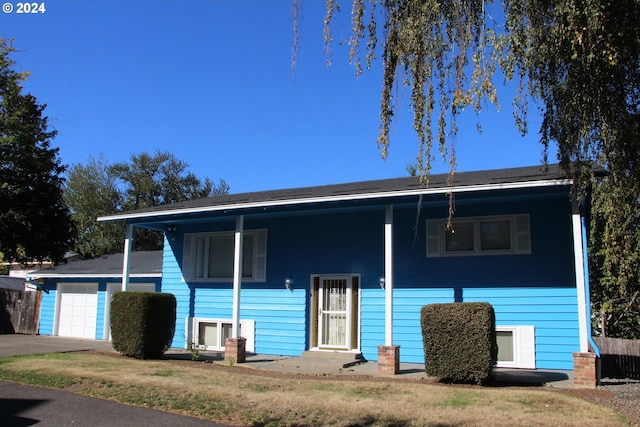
(516,347)
(479,236)
(209,256)
(211,334)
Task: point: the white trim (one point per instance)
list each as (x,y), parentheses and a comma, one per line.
(524,347)
(519,233)
(350,277)
(247,326)
(339,198)
(92,276)
(190,256)
(580,281)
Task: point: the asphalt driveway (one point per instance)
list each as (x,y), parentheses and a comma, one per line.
(22,405)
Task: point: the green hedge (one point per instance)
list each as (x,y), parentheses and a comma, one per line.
(459,341)
(142,323)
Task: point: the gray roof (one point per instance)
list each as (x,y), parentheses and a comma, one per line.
(530,176)
(143,264)
(9,282)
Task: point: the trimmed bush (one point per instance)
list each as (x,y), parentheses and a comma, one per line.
(459,341)
(142,323)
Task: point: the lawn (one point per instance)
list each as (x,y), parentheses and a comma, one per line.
(242,396)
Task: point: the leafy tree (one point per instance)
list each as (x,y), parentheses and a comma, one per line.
(35,224)
(578,59)
(98,189)
(92,191)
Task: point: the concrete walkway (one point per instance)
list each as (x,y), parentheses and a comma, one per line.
(319,365)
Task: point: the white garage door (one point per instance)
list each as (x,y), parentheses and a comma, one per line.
(78,310)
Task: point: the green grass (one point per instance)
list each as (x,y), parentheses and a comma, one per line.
(242,396)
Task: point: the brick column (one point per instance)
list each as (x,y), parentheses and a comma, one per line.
(584,370)
(388,359)
(234,350)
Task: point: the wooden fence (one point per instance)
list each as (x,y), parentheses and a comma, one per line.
(619,358)
(19,311)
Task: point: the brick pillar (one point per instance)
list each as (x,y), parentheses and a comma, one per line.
(584,370)
(388,359)
(234,350)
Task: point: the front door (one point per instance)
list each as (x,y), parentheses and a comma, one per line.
(335,309)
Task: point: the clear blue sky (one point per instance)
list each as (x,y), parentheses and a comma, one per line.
(210,81)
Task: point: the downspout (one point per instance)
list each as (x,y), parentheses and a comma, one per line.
(592,343)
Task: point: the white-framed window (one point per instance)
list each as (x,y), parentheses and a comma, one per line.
(211,334)
(209,256)
(516,347)
(486,235)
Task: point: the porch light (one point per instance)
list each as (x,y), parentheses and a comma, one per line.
(381,282)
(288,283)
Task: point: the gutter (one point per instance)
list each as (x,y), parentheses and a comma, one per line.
(336,198)
(592,343)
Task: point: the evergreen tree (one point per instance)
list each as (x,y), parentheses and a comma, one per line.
(35,224)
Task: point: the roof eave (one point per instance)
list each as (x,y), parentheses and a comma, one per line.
(338,198)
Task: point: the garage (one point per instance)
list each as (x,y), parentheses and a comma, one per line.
(77,310)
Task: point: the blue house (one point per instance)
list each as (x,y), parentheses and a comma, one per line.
(348,267)
(76,296)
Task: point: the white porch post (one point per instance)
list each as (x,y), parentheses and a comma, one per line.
(576,222)
(128,244)
(237,276)
(388,275)
(388,354)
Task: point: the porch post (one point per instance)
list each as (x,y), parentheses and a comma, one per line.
(237,276)
(234,347)
(128,244)
(388,354)
(576,222)
(388,275)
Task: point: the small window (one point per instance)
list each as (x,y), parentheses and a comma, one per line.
(479,236)
(209,256)
(516,347)
(211,334)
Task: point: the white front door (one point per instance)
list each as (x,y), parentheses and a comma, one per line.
(334,312)
(78,309)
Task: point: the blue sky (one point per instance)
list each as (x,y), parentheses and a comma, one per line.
(210,81)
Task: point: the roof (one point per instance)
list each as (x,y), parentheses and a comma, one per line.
(523,177)
(9,282)
(143,264)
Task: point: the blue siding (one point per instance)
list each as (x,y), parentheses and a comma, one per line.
(47,308)
(534,289)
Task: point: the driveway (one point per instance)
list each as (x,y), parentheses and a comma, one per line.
(22,405)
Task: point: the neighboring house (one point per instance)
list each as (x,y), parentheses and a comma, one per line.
(19,306)
(348,267)
(76,296)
